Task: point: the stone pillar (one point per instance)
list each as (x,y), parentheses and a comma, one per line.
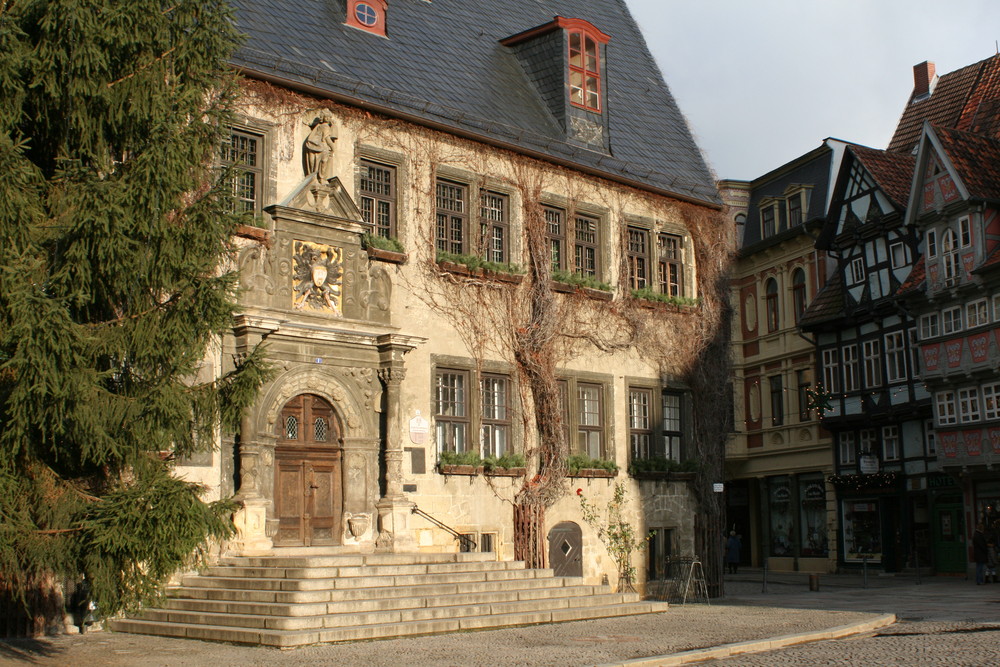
(256,456)
(256,461)
(394,509)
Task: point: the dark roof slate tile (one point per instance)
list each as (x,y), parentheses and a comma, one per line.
(443,63)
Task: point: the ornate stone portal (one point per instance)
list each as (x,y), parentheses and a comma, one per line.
(326,323)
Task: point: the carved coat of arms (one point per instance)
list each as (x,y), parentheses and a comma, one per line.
(318,277)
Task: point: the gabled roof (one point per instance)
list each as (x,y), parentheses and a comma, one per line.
(443,65)
(893,172)
(967,99)
(975,159)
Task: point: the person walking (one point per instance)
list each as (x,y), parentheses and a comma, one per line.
(733,551)
(980,553)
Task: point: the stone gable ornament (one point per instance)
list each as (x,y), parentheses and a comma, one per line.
(317,278)
(317,151)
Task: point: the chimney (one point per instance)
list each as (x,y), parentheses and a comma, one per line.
(923,77)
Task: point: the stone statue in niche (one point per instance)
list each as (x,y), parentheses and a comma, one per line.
(317,152)
(317,277)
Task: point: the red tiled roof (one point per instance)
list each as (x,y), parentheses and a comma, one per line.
(968,98)
(976,158)
(916,278)
(893,172)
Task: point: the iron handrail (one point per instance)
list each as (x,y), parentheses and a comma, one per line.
(463,540)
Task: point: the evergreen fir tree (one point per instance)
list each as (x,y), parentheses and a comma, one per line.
(115,231)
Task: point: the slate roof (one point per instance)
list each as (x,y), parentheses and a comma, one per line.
(976,158)
(966,99)
(443,65)
(827,305)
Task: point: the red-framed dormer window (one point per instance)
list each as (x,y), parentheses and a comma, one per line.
(585,42)
(367,15)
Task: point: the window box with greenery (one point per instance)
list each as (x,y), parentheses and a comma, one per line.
(384,249)
(460,463)
(569,283)
(474,265)
(581,465)
(508,465)
(659,467)
(650,298)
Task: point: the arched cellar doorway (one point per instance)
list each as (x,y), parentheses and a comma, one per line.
(566,549)
(308,490)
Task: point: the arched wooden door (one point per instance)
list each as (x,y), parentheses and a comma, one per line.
(566,549)
(308,493)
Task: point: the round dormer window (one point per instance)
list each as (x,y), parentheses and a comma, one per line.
(366,14)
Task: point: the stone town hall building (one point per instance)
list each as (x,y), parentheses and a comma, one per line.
(452,127)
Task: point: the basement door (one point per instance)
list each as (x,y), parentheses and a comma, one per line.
(308,492)
(566,550)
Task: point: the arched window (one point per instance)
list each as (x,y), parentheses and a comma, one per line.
(799,293)
(771,302)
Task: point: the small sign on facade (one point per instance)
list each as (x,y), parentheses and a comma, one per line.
(419,428)
(718,487)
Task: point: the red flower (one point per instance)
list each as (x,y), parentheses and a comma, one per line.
(579,492)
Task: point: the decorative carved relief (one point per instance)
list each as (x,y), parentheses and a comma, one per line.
(254,262)
(358,524)
(317,278)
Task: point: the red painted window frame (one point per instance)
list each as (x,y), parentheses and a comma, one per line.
(589,72)
(380,7)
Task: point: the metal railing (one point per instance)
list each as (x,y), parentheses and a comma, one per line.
(465,542)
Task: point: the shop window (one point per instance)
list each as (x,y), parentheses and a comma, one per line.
(781,517)
(812,517)
(862,531)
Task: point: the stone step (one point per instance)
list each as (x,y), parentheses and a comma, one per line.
(379,604)
(351,618)
(289,638)
(204,592)
(357,560)
(276,572)
(347,583)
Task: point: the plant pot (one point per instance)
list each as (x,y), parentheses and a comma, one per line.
(500,276)
(390,256)
(594,473)
(451,469)
(452,267)
(590,292)
(506,472)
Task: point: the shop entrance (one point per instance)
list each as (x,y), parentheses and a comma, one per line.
(949,544)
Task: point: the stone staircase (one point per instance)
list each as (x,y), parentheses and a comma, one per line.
(295,600)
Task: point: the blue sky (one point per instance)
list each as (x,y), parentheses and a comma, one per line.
(764,81)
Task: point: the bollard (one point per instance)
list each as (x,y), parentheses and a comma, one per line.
(864,569)
(814,582)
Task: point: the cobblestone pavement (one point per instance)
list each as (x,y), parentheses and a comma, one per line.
(580,643)
(920,644)
(942,621)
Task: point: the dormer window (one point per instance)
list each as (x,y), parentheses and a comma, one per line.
(368,15)
(584,71)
